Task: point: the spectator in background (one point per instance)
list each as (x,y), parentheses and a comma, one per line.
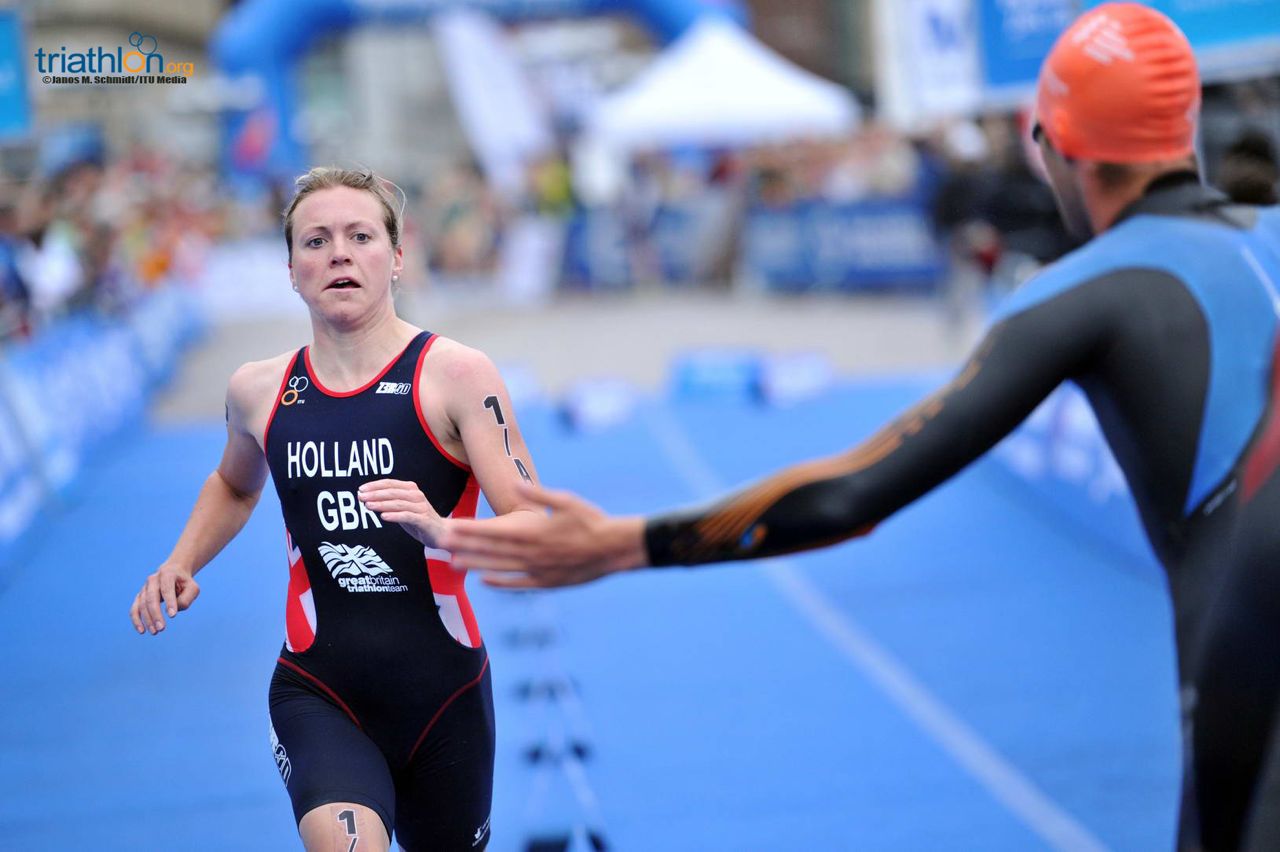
(721,231)
(969,181)
(1020,206)
(875,162)
(648,184)
(1249,169)
(98,236)
(14,296)
(892,164)
(464,222)
(551,186)
(772,187)
(961,219)
(995,213)
(48,258)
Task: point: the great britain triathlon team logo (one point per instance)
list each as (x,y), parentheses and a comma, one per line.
(345,560)
(358,568)
(297,384)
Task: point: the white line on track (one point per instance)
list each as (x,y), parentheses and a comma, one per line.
(1017,793)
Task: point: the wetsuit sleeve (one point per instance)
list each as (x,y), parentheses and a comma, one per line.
(822,502)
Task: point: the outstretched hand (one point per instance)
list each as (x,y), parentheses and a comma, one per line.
(575,543)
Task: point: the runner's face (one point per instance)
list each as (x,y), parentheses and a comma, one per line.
(1066,188)
(343,259)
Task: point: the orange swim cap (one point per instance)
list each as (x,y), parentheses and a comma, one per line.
(1120,86)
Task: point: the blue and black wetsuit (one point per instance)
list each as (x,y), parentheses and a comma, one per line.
(381,696)
(1168,322)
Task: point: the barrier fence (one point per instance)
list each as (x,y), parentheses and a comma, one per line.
(72,386)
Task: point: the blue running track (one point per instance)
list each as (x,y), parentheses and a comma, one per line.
(974,675)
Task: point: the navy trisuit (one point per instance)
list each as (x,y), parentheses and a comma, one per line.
(381,695)
(1168,322)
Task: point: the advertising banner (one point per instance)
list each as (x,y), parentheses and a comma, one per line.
(1232,38)
(930,67)
(15,106)
(1218,23)
(875,244)
(1016,37)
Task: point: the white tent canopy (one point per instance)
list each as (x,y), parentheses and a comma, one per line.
(718,86)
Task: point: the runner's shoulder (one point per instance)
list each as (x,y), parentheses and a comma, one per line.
(255,382)
(1112,252)
(458,362)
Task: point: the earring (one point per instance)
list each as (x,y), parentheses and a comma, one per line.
(295,288)
(395,278)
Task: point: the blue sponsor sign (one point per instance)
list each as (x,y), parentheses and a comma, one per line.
(885,243)
(15,107)
(1221,23)
(1228,35)
(1016,37)
(874,244)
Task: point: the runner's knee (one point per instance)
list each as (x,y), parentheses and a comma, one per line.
(343,827)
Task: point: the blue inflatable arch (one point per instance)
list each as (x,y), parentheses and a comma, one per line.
(267,38)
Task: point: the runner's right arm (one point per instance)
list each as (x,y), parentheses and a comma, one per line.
(225,502)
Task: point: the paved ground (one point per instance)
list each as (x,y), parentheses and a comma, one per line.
(631,337)
(254,314)
(979,674)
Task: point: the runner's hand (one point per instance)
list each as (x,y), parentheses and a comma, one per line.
(403,503)
(170,589)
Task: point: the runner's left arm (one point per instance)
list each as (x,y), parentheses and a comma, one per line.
(481,410)
(482,429)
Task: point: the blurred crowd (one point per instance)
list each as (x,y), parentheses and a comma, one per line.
(977,183)
(1250,172)
(972,180)
(99,232)
(92,234)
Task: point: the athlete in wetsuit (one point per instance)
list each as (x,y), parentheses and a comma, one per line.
(381,705)
(1167,320)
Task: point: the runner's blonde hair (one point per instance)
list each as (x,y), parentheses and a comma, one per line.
(327,177)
